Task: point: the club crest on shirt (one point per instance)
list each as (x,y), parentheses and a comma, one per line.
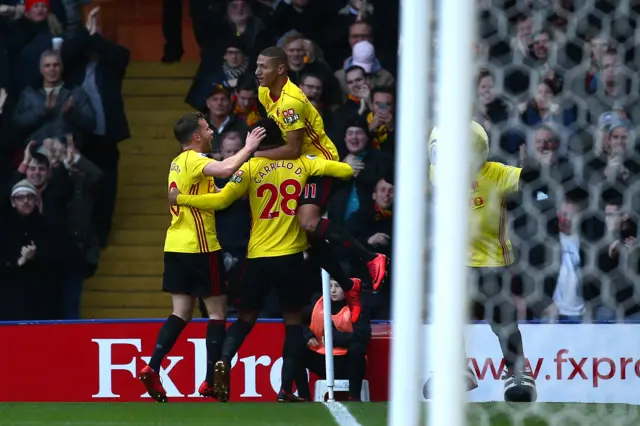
(290,116)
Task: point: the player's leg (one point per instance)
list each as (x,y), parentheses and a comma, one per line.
(176,280)
(320,251)
(252,289)
(519,385)
(312,200)
(212,288)
(167,336)
(292,297)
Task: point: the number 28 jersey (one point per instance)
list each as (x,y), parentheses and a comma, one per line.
(274,187)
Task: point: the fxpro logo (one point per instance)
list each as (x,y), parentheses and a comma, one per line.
(563,366)
(106,367)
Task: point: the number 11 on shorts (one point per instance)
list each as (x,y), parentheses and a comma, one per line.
(310,190)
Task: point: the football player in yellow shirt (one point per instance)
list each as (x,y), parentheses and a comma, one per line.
(193,261)
(490,254)
(302,128)
(275,255)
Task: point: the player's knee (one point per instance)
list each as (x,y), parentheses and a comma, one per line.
(216,308)
(249,317)
(184,315)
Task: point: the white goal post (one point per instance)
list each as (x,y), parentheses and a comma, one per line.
(456,23)
(409,219)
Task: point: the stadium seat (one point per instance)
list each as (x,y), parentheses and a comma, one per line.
(321,389)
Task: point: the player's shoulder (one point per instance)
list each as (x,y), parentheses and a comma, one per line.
(292,94)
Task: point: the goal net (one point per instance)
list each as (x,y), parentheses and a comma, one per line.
(555,86)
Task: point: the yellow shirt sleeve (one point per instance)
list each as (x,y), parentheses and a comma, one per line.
(195,163)
(508,179)
(234,189)
(293,114)
(320,167)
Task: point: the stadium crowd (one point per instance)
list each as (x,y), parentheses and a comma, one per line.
(556,81)
(62,117)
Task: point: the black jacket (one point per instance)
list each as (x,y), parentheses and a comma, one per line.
(31,291)
(36,122)
(113,60)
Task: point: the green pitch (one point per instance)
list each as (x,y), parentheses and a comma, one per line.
(271,414)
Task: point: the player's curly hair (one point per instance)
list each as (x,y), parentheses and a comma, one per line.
(273,137)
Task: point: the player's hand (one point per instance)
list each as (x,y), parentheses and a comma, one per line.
(173,196)
(313,343)
(355,163)
(255,137)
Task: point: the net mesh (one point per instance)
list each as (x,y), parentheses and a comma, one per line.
(557,85)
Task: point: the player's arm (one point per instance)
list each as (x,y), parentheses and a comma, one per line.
(294,126)
(234,189)
(224,169)
(321,167)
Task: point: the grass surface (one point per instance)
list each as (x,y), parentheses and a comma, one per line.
(271,414)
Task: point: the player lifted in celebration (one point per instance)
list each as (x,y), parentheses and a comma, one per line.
(303,130)
(275,254)
(193,262)
(490,254)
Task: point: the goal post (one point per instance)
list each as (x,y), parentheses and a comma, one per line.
(450,211)
(409,226)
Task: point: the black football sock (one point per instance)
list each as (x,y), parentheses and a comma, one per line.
(322,252)
(167,337)
(291,356)
(336,234)
(237,333)
(216,331)
(302,383)
(510,340)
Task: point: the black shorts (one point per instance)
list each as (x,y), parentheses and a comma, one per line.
(286,274)
(317,191)
(195,274)
(491,295)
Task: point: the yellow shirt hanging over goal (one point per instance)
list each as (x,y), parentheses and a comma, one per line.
(489,244)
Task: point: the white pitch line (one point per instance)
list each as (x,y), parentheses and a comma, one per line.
(341,414)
